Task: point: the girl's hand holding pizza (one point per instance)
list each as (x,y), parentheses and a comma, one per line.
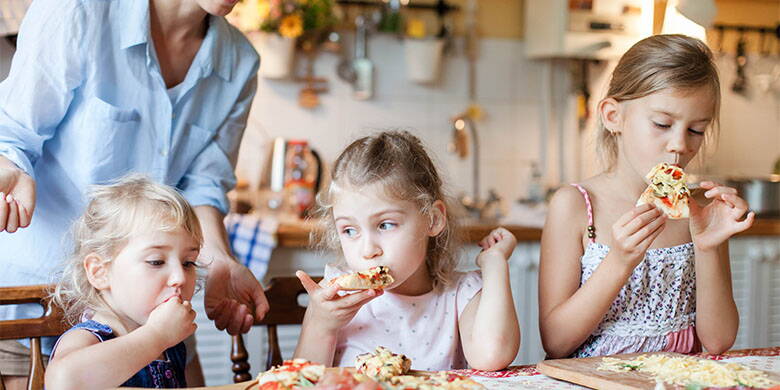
(327,308)
(635,231)
(714,223)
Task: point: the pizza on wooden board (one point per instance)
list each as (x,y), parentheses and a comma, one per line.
(375,277)
(667,191)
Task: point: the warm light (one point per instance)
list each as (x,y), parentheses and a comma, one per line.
(676,23)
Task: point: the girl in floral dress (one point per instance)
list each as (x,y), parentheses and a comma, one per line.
(619,278)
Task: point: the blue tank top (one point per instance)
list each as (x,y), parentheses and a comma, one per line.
(159,374)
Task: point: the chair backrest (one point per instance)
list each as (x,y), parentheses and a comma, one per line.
(50,324)
(282,294)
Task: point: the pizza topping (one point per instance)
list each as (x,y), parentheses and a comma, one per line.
(667,190)
(375,277)
(382,364)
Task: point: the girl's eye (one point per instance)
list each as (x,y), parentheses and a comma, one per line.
(696,132)
(662,126)
(349,232)
(190,264)
(387,225)
(155,263)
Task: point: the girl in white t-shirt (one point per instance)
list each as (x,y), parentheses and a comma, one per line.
(385,206)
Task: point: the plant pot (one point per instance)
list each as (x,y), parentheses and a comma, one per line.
(276,53)
(423,59)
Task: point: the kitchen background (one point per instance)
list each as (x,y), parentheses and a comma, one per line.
(530,119)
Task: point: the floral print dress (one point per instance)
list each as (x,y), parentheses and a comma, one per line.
(656,308)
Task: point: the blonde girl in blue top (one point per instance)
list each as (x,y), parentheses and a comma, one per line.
(127,288)
(620,278)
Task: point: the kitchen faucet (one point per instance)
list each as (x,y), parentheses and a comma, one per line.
(475,207)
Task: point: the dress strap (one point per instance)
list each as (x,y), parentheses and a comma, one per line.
(591,227)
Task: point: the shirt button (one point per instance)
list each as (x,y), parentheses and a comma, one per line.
(163,153)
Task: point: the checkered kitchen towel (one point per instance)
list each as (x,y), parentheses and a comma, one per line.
(252,240)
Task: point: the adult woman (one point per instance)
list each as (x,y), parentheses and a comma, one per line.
(98,88)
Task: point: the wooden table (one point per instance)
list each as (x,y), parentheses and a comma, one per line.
(527,377)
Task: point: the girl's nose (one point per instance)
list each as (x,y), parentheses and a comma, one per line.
(678,143)
(176,277)
(370,248)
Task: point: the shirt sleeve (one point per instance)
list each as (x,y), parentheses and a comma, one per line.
(468,286)
(212,173)
(46,69)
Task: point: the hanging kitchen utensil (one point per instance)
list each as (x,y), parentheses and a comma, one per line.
(344,67)
(309,95)
(363,87)
(740,83)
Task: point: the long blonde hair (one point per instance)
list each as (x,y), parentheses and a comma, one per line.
(114,213)
(396,160)
(654,64)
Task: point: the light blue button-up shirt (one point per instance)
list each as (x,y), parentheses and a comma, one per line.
(85,103)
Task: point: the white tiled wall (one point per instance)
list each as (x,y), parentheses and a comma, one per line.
(507,87)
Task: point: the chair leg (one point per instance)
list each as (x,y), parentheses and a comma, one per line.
(35,381)
(239,357)
(274,357)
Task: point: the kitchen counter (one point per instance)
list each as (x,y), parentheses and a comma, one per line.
(296,234)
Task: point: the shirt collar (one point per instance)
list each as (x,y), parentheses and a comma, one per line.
(135,22)
(216,44)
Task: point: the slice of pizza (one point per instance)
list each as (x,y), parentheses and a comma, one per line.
(291,374)
(667,190)
(375,277)
(441,380)
(382,364)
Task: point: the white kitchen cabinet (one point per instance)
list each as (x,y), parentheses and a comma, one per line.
(595,29)
(755,263)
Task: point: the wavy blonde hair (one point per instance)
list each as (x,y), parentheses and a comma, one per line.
(114,213)
(654,64)
(396,160)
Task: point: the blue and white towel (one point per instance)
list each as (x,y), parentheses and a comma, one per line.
(252,240)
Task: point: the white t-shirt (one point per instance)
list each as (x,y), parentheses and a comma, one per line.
(424,327)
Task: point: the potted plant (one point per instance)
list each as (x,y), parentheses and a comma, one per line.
(272,26)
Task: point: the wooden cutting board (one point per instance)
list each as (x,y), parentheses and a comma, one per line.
(584,372)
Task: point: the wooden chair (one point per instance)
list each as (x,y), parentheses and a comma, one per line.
(282,294)
(50,324)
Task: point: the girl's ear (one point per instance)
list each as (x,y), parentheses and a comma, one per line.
(97,271)
(438,218)
(611,115)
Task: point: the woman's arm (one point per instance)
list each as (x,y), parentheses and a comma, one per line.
(568,313)
(234,298)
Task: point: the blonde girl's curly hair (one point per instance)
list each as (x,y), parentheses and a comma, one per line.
(396,160)
(115,212)
(654,64)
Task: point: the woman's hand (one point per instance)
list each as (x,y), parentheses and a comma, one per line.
(327,309)
(172,321)
(713,224)
(499,242)
(635,231)
(234,298)
(17,197)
